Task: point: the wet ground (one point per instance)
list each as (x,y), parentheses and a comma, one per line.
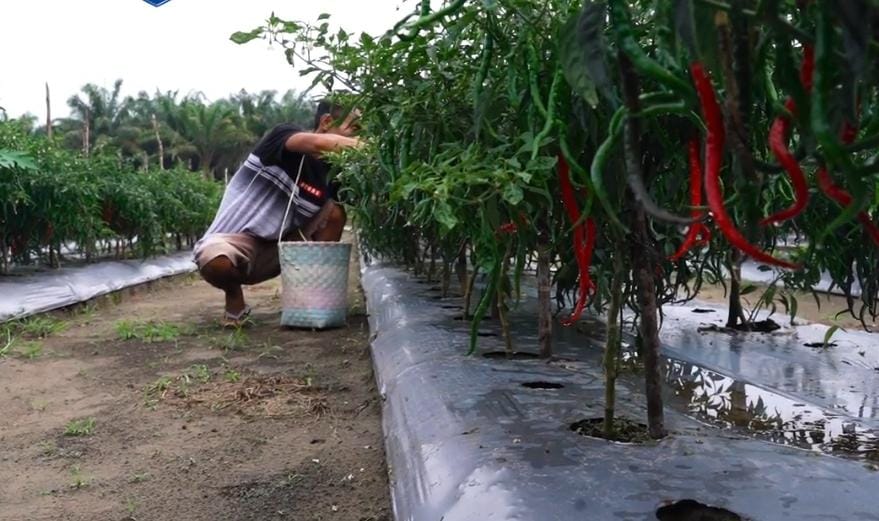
(760,424)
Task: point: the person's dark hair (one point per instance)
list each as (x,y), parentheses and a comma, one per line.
(326,106)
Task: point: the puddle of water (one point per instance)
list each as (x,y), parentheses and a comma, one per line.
(761,413)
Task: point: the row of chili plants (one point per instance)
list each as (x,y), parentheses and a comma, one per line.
(630,151)
(52,198)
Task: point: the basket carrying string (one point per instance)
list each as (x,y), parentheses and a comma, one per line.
(293,193)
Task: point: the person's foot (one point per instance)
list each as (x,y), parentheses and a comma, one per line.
(237,311)
(236,320)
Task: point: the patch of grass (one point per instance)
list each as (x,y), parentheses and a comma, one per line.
(29,350)
(41,326)
(198,374)
(78,480)
(149,332)
(81,427)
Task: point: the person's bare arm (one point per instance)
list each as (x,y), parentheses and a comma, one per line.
(318,144)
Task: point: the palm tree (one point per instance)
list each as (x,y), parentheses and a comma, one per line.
(100,119)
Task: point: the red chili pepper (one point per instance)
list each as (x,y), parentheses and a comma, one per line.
(585,235)
(698,233)
(839,194)
(507,228)
(778,135)
(713,161)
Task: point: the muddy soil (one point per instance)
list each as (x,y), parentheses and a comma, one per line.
(143,409)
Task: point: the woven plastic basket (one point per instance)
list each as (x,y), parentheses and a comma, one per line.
(314,284)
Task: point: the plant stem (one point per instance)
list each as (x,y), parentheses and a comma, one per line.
(544,286)
(612,347)
(502,293)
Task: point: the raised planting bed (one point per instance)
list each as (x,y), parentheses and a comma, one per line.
(486,438)
(22,296)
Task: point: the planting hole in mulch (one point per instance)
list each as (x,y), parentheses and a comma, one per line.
(487,334)
(820,344)
(760,326)
(517,355)
(690,510)
(450,306)
(543,385)
(625,431)
(704,310)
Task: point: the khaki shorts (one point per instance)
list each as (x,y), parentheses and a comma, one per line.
(254,257)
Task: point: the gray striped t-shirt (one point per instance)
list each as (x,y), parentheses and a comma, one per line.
(258,194)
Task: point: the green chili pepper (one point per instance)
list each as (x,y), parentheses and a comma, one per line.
(479,84)
(625,35)
(550,114)
(599,162)
(427,20)
(494,276)
(533,67)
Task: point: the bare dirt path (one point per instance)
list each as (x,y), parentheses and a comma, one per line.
(145,410)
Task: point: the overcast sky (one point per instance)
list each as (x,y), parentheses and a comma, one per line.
(183,45)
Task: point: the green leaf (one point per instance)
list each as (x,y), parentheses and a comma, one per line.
(513,194)
(829,334)
(445,216)
(748,288)
(583,52)
(243,37)
(323,16)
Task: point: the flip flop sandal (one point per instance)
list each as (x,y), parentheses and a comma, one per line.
(236,320)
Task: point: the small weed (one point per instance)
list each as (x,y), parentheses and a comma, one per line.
(48,448)
(156,391)
(39,405)
(77,479)
(131,507)
(126,330)
(86,311)
(232,376)
(290,480)
(81,427)
(199,372)
(6,344)
(268,351)
(234,341)
(139,478)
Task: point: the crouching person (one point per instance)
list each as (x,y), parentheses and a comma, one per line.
(241,245)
